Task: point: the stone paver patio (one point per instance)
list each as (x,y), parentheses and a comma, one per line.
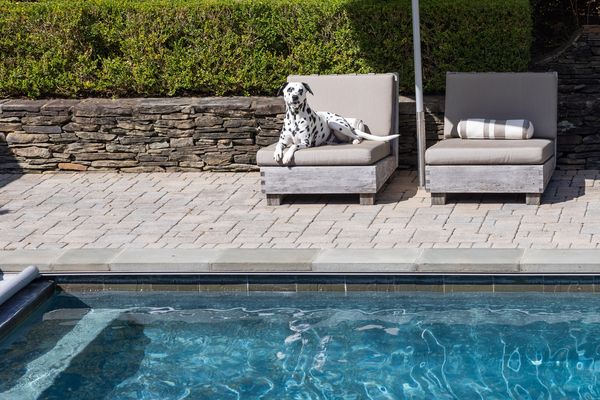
(227,210)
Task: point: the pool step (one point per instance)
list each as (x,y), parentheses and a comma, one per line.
(42,371)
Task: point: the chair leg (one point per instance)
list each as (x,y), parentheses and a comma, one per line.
(367,199)
(533,199)
(438,199)
(274,199)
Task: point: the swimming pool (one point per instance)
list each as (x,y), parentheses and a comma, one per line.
(362,345)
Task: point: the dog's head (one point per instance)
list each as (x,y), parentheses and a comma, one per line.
(294,93)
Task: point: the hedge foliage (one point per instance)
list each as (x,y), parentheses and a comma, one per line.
(71,48)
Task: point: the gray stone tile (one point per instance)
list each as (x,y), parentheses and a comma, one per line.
(366,261)
(18,260)
(485,261)
(85,260)
(164,261)
(207,210)
(264,260)
(561,261)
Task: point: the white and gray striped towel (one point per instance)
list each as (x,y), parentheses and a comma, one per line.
(495,129)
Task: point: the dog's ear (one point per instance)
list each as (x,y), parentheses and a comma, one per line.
(307,88)
(280,91)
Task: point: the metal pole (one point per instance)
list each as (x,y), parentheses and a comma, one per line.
(421,137)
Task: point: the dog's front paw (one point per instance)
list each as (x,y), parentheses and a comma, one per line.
(278,155)
(356,141)
(287,158)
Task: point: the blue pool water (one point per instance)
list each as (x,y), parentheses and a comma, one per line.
(307,346)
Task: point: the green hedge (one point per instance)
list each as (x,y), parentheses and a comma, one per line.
(244,47)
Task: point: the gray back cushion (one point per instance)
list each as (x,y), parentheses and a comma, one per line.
(528,95)
(372,98)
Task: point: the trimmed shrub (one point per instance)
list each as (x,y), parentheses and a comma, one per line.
(244,47)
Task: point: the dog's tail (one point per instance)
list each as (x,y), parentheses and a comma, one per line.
(368,136)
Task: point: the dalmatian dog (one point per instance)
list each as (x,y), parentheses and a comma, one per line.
(304,127)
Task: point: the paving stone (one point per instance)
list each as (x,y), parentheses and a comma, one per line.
(228,209)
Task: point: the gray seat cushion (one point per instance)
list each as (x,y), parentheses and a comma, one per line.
(489,152)
(365,153)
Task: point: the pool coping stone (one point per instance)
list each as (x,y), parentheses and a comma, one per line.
(18,260)
(499,261)
(114,261)
(161,260)
(585,261)
(360,260)
(84,260)
(264,260)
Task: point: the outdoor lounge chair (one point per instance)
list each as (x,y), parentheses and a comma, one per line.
(456,165)
(344,168)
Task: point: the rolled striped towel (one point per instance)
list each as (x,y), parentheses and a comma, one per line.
(495,129)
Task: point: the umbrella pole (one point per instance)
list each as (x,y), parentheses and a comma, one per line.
(421,136)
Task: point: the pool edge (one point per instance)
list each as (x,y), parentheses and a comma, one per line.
(572,262)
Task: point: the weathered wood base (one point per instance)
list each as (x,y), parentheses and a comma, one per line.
(274,199)
(438,199)
(366,180)
(533,199)
(529,179)
(367,199)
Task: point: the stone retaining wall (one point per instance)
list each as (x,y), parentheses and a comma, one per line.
(180,134)
(578,67)
(147,135)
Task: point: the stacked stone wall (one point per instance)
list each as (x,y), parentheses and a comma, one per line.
(150,135)
(224,134)
(578,67)
(137,135)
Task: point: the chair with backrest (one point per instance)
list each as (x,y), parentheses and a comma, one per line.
(342,168)
(456,165)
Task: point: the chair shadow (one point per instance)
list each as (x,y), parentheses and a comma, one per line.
(568,185)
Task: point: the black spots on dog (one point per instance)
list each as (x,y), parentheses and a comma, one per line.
(308,110)
(340,128)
